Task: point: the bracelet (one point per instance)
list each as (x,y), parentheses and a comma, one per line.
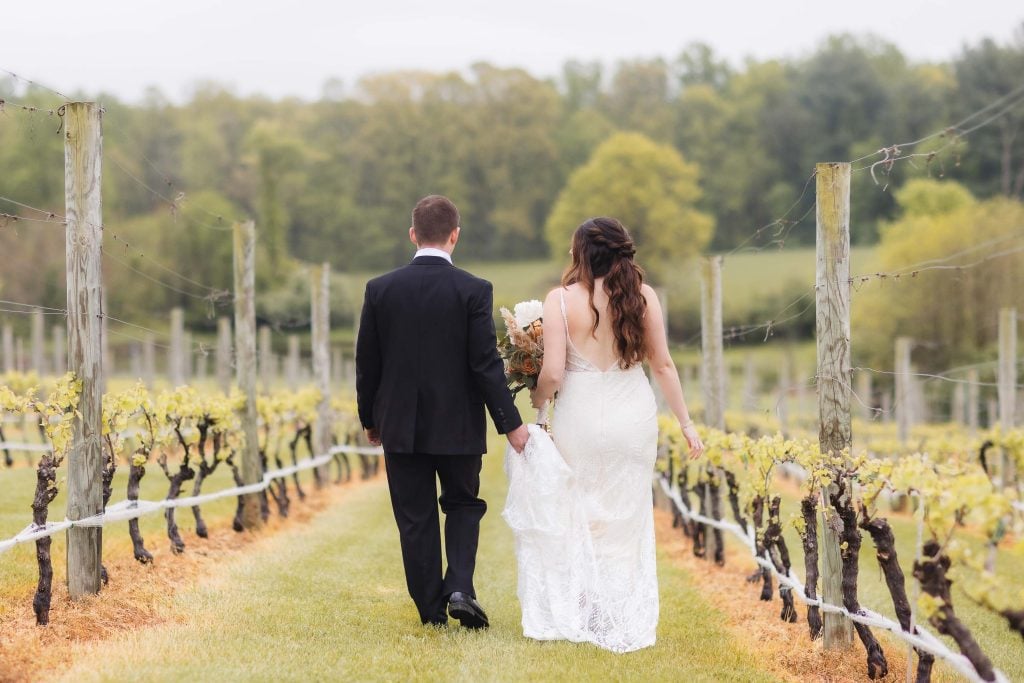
(689,423)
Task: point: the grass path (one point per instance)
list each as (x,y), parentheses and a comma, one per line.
(328,602)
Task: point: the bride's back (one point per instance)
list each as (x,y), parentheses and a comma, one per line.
(596,346)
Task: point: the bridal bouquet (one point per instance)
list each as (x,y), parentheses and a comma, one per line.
(522,347)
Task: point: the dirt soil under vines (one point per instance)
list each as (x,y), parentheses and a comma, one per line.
(785,649)
(137,595)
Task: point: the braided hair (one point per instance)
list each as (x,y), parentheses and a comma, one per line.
(601,247)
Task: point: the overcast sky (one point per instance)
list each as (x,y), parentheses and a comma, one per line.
(292,48)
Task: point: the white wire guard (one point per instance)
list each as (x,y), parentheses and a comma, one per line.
(24,446)
(131,509)
(922,640)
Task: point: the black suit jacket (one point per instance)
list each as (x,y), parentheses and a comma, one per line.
(427,361)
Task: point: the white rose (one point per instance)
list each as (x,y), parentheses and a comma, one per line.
(526,312)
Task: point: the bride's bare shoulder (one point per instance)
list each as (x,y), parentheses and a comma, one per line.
(648,292)
(560,290)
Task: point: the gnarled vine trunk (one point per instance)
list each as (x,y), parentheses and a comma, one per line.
(135,475)
(282,499)
(850,554)
(734,499)
(8,459)
(293,447)
(809,537)
(700,530)
(716,514)
(779,554)
(930,572)
(308,437)
(177,480)
(888,561)
(1015,617)
(236,523)
(46,491)
(689,526)
(206,468)
(757,516)
(109,468)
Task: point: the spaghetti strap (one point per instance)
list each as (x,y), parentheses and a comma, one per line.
(565,318)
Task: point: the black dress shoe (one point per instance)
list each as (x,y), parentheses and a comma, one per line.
(467,610)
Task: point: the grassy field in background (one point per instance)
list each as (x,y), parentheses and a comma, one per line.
(746,277)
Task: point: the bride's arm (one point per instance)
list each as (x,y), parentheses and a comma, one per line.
(663,369)
(553,370)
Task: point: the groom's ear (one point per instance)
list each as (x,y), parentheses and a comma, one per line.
(454,237)
(412,236)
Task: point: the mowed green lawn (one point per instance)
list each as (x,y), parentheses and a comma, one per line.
(328,602)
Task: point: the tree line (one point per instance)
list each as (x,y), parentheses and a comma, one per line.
(335,178)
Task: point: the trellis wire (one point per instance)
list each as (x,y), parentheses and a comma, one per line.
(923,640)
(132,509)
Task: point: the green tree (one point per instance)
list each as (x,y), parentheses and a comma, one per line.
(995,158)
(278,155)
(952,310)
(647,186)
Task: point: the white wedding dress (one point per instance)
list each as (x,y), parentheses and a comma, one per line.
(581,511)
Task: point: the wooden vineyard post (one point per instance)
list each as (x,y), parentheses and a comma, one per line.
(904,393)
(83,152)
(186,357)
(973,401)
(200,365)
(782,405)
(958,405)
(267,364)
(38,342)
(107,355)
(224,354)
(245,363)
(1007,384)
(336,365)
(135,361)
(148,360)
(711,342)
(8,349)
(321,320)
(713,376)
(864,393)
(832,301)
(291,363)
(176,353)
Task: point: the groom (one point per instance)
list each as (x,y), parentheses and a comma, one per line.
(426,364)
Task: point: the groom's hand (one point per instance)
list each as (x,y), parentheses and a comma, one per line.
(518,437)
(373,436)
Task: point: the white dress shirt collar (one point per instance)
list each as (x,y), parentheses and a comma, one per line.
(433,251)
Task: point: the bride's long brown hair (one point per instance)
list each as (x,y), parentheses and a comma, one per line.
(601,247)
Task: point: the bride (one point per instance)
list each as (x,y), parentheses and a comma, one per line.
(587,570)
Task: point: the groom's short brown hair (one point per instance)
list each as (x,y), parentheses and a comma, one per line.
(434,219)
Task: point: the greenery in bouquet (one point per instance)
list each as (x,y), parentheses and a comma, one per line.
(522,347)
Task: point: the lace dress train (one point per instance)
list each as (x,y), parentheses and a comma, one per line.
(580,507)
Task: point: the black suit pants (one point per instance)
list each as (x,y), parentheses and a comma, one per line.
(412,480)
